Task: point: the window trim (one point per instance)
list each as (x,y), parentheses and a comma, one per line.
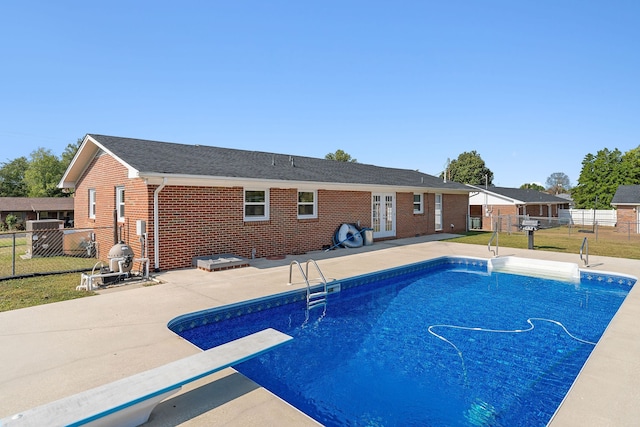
(314,215)
(420,204)
(120,205)
(92,203)
(437,208)
(264,217)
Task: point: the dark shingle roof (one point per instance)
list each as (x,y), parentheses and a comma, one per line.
(35,204)
(201,160)
(527,195)
(626,194)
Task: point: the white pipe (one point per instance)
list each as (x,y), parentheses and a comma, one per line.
(156,226)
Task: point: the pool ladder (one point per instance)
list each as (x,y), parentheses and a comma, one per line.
(315,297)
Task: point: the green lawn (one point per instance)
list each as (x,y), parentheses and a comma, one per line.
(30,291)
(46,264)
(41,289)
(607,242)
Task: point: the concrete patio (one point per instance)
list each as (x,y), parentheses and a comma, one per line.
(55,350)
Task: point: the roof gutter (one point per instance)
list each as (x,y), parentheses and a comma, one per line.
(221,181)
(156,226)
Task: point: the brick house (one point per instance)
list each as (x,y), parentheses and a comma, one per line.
(626,200)
(37,208)
(487,205)
(198,200)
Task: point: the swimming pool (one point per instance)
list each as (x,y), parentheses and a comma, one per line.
(443,342)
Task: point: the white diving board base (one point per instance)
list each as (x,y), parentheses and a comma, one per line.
(128,402)
(555,270)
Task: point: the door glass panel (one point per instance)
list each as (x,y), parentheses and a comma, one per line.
(376,214)
(388,224)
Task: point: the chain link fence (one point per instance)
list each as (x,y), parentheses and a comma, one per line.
(597,229)
(47,250)
(52,250)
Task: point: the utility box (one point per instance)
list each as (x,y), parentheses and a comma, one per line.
(78,243)
(44,237)
(141,227)
(367,234)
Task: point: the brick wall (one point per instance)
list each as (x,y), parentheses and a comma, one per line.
(199,221)
(497,214)
(626,215)
(454,212)
(409,224)
(103,175)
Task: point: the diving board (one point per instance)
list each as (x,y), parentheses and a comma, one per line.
(128,402)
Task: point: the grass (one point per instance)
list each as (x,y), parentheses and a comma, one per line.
(39,289)
(36,264)
(606,242)
(31,291)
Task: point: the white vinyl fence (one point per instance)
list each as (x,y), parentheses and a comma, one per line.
(604,217)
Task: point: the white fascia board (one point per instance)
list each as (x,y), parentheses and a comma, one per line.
(218,181)
(79,163)
(492,199)
(82,159)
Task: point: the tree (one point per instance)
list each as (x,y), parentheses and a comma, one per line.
(558,183)
(43,174)
(468,168)
(630,165)
(69,152)
(37,177)
(532,186)
(12,182)
(340,156)
(599,179)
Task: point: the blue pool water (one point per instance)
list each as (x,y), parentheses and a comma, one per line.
(441,343)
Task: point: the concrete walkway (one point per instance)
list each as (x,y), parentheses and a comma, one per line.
(55,350)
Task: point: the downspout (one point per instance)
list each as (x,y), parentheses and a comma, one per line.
(156,226)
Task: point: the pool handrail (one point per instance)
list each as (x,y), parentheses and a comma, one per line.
(585,245)
(493,236)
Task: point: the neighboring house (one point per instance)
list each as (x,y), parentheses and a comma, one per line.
(197,200)
(486,205)
(627,203)
(568,198)
(37,208)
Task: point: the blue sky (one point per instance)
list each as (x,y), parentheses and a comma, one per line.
(532,86)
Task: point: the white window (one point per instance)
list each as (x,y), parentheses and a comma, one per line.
(256,205)
(438,212)
(418,205)
(92,203)
(307,204)
(120,203)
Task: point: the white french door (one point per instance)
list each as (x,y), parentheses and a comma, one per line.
(383,214)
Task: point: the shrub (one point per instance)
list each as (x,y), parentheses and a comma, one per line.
(11,221)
